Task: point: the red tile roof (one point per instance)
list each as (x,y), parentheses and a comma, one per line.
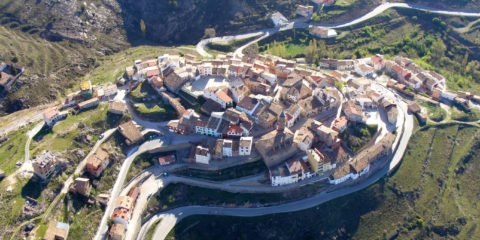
(223,96)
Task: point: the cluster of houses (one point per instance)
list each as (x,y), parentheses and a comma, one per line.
(252,103)
(406,74)
(122,213)
(222,148)
(363,161)
(363,99)
(89,96)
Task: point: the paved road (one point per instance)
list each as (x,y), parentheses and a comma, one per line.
(375,12)
(170,218)
(132,154)
(27,163)
(23,118)
(80,168)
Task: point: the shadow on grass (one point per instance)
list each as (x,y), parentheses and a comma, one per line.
(42,133)
(33,189)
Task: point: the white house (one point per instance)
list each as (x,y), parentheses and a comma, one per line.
(202,155)
(110,90)
(205,69)
(248,105)
(218,96)
(52,115)
(291,171)
(304,10)
(278,19)
(270,77)
(280,176)
(245,146)
(227,148)
(212,126)
(303,138)
(239,93)
(450,96)
(342,174)
(364,70)
(292,114)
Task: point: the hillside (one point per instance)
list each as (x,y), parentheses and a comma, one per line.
(60,41)
(433,195)
(110,22)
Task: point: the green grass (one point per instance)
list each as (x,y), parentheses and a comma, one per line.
(42,229)
(13,149)
(142,91)
(344,3)
(230,46)
(460,115)
(424,37)
(228,173)
(357,135)
(86,222)
(179,194)
(151,230)
(141,163)
(63,135)
(12,202)
(414,159)
(430,196)
(155,111)
(435,113)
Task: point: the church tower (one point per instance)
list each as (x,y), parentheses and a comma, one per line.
(281,122)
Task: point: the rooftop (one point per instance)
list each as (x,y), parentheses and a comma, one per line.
(130,132)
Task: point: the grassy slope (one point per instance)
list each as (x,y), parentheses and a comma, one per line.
(431,196)
(49,66)
(63,135)
(247,169)
(13,149)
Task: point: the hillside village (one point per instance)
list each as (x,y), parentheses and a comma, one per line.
(264,106)
(269,99)
(336,123)
(303,123)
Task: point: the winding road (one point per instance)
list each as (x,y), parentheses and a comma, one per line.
(375,12)
(27,162)
(171,217)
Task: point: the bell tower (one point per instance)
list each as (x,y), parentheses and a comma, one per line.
(281,123)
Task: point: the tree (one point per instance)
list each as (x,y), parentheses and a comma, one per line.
(251,50)
(143,28)
(438,51)
(465,60)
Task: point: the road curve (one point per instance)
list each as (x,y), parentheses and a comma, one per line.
(26,159)
(117,187)
(170,218)
(375,12)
